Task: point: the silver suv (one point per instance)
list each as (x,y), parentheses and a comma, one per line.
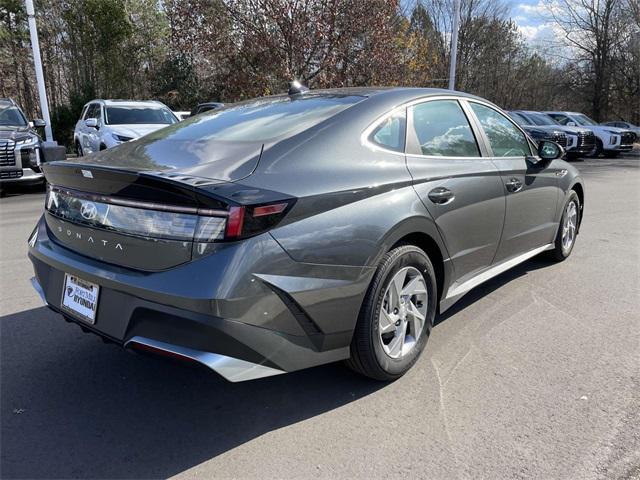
(107,123)
(19,146)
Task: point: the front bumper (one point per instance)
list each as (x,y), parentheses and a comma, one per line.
(15,164)
(247,311)
(21,176)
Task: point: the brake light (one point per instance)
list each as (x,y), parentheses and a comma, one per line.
(234,222)
(246,221)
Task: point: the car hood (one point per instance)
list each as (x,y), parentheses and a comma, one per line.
(573,130)
(136,130)
(163,152)
(9,132)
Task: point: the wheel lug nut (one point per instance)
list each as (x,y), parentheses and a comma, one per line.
(395,311)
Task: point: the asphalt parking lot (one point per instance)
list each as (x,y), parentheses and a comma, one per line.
(535,374)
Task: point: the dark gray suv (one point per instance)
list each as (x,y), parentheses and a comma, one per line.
(296,230)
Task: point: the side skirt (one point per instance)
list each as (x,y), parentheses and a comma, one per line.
(457,290)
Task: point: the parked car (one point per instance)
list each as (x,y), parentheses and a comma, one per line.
(540,132)
(609,140)
(297,230)
(19,146)
(183,115)
(625,126)
(106,123)
(579,141)
(205,107)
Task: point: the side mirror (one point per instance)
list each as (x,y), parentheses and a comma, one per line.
(571,124)
(38,123)
(548,150)
(91,123)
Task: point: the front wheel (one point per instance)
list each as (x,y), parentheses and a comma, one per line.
(397,315)
(568,229)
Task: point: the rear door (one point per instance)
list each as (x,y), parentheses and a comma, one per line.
(531,187)
(460,188)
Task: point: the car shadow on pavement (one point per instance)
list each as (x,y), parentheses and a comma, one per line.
(74,407)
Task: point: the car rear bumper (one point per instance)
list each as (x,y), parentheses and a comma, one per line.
(247,312)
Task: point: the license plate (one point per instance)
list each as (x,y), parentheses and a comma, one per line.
(80,298)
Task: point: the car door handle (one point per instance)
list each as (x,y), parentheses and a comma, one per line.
(514,185)
(441,195)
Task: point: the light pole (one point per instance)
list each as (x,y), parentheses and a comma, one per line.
(454,46)
(42,92)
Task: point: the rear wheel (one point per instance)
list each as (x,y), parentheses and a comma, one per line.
(568,229)
(397,315)
(79,149)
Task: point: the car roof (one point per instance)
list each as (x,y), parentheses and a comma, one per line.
(128,103)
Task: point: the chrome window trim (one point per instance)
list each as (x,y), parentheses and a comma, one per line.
(364,136)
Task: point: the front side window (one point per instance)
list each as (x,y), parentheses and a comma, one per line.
(442,130)
(138,116)
(505,138)
(93,111)
(390,134)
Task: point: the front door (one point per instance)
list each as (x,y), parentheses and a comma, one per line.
(461,190)
(531,189)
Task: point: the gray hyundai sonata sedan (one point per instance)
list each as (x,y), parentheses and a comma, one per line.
(296,230)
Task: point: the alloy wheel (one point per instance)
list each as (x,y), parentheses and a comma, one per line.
(403,312)
(569,226)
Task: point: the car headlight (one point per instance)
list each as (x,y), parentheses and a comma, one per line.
(26,141)
(121,138)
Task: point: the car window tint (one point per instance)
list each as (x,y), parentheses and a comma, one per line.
(561,119)
(132,115)
(442,130)
(262,120)
(94,111)
(505,138)
(390,133)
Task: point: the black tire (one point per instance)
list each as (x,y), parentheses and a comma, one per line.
(367,354)
(598,150)
(611,153)
(79,150)
(559,252)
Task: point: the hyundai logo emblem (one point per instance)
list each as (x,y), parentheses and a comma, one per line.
(88,211)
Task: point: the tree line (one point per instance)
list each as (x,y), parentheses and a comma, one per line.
(187,51)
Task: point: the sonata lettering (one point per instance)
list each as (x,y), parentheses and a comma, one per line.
(90,239)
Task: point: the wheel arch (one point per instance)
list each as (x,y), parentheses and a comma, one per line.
(578,187)
(423,234)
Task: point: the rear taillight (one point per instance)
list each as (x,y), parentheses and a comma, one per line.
(245,221)
(170,222)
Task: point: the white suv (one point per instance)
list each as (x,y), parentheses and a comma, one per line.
(106,123)
(609,140)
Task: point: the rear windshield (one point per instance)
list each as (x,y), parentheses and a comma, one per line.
(261,120)
(138,116)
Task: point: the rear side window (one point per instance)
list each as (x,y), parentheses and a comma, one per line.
(442,130)
(264,119)
(505,138)
(390,134)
